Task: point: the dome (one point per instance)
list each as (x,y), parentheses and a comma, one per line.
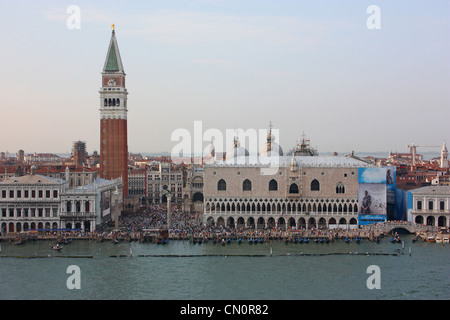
(270,148)
(236,150)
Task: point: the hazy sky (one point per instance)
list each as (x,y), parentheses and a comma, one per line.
(307,66)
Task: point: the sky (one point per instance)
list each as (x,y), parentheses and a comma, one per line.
(308,67)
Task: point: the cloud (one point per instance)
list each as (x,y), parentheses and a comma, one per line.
(373,175)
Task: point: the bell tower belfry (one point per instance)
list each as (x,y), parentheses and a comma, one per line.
(113,117)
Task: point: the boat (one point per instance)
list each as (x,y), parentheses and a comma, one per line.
(358,239)
(322,240)
(199,241)
(430,239)
(56,247)
(445,240)
(229,240)
(223,241)
(300,240)
(261,240)
(250,241)
(415,238)
(306,240)
(347,240)
(240,240)
(255,240)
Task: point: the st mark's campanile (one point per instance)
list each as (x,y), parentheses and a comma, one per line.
(113,118)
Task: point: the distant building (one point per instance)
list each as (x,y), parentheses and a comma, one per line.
(431,206)
(38,202)
(79,153)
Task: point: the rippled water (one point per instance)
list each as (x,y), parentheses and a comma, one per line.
(180,270)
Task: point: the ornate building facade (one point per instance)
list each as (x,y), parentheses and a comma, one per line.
(303,191)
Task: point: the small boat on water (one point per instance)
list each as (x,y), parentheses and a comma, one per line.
(56,247)
(300,240)
(431,239)
(250,240)
(445,240)
(261,240)
(438,239)
(347,240)
(229,240)
(239,240)
(306,240)
(358,240)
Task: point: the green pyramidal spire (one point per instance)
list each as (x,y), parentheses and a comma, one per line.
(113,61)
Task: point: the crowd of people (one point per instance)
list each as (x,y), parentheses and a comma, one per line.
(186,225)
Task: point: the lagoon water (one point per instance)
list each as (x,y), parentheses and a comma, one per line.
(184,271)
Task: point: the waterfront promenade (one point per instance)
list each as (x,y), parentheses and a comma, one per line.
(149,225)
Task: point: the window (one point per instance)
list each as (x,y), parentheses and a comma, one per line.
(430,205)
(293,188)
(442,205)
(221,185)
(55,193)
(419,205)
(315,185)
(11,193)
(273,185)
(340,188)
(47,193)
(247,185)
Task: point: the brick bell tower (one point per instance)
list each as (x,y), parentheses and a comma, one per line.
(113,118)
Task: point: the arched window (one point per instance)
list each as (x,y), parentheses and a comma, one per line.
(221,185)
(315,185)
(293,188)
(273,185)
(340,188)
(247,185)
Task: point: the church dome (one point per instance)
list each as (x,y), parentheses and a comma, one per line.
(270,148)
(236,150)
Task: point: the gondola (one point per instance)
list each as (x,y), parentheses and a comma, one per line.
(239,240)
(347,240)
(229,240)
(306,240)
(300,240)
